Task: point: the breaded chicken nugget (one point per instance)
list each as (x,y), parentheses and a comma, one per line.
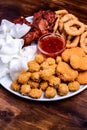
(72,51)
(35,76)
(50,61)
(33,84)
(33,66)
(25,89)
(73,86)
(65,72)
(78,62)
(44,85)
(63,89)
(82,77)
(50,92)
(35,93)
(24,77)
(39,58)
(15,86)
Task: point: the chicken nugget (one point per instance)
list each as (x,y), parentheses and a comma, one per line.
(78,62)
(65,72)
(50,92)
(25,89)
(24,77)
(33,66)
(33,84)
(15,86)
(72,51)
(35,93)
(63,89)
(44,85)
(82,77)
(50,61)
(73,86)
(54,81)
(39,58)
(35,76)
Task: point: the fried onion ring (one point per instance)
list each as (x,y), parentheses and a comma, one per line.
(83,41)
(72,43)
(68,17)
(69,24)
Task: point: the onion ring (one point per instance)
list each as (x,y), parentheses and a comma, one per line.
(74,43)
(68,17)
(83,41)
(69,24)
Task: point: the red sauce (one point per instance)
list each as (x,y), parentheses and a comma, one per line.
(51,44)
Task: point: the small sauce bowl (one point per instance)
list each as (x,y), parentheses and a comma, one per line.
(51,44)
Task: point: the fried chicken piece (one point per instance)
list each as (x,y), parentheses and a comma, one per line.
(33,66)
(54,81)
(35,76)
(63,89)
(33,84)
(78,62)
(35,93)
(39,58)
(50,92)
(65,72)
(44,85)
(15,86)
(58,59)
(72,51)
(24,77)
(73,86)
(82,77)
(50,61)
(25,89)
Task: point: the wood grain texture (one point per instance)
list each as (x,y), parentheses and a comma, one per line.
(20,114)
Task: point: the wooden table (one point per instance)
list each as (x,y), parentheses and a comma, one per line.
(20,114)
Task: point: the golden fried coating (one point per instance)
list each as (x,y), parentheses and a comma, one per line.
(50,61)
(82,77)
(15,86)
(54,81)
(24,77)
(33,84)
(44,65)
(78,62)
(25,89)
(35,93)
(35,76)
(33,66)
(58,59)
(50,92)
(44,85)
(45,74)
(65,72)
(39,58)
(73,86)
(63,89)
(72,51)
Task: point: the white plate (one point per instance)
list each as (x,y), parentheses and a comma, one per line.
(6,82)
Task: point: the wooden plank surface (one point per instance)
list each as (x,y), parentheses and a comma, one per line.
(20,114)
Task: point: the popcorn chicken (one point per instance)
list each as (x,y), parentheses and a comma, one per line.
(24,77)
(33,66)
(50,92)
(33,84)
(35,76)
(63,89)
(35,93)
(82,77)
(25,89)
(15,86)
(44,85)
(39,58)
(50,61)
(73,86)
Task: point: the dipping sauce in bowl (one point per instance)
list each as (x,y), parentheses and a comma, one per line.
(51,44)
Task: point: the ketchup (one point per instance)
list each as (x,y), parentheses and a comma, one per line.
(51,44)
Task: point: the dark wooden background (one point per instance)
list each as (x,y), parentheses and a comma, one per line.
(20,114)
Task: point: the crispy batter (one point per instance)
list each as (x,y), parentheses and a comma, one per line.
(73,51)
(33,84)
(82,77)
(35,76)
(74,86)
(78,62)
(50,92)
(63,89)
(25,89)
(33,66)
(44,85)
(15,86)
(35,93)
(65,72)
(39,58)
